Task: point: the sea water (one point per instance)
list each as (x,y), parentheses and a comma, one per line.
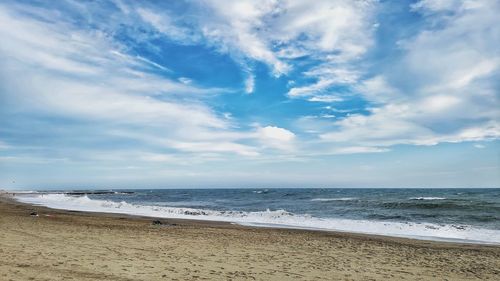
(462,215)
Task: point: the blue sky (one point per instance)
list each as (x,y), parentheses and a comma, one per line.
(158,94)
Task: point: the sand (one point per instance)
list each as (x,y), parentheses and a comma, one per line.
(63,245)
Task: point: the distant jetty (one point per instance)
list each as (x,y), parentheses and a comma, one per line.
(97,192)
(72,193)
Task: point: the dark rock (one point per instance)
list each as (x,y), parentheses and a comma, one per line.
(34,214)
(163,223)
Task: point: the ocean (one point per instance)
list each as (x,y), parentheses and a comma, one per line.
(455,215)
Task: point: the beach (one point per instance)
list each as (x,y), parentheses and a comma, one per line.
(68,245)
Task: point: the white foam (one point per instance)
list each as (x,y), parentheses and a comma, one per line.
(276,218)
(261,191)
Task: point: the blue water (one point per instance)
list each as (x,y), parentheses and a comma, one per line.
(461,214)
(478,207)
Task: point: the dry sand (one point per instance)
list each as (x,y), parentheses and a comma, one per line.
(62,245)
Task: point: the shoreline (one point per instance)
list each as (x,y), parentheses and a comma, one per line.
(225,224)
(103,246)
(219,221)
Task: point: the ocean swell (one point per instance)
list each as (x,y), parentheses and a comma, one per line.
(272,218)
(334,199)
(427,198)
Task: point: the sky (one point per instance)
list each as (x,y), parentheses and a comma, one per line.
(250,93)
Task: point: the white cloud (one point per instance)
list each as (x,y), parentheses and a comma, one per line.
(185,80)
(311,90)
(166,24)
(440,103)
(336,33)
(236,27)
(64,64)
(276,137)
(450,96)
(436,5)
(325,98)
(327,76)
(386,126)
(377,90)
(341,29)
(249,84)
(403,124)
(78,74)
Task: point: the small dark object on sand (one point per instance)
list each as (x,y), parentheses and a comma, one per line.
(34,214)
(158,222)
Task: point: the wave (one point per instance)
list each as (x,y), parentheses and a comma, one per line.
(273,218)
(261,191)
(427,198)
(334,199)
(442,206)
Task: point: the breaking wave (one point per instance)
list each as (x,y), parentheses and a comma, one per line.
(272,218)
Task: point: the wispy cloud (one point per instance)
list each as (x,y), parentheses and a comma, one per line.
(165,87)
(77,73)
(452,96)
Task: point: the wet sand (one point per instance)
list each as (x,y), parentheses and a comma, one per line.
(65,245)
